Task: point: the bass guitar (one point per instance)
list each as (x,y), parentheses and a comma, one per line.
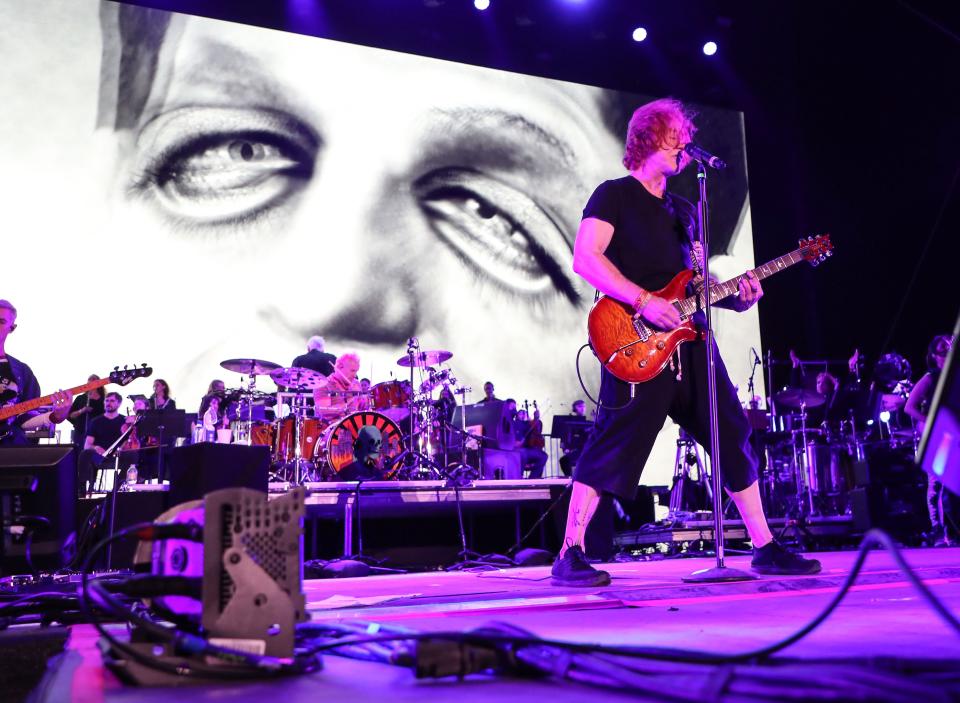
(119,376)
(634,351)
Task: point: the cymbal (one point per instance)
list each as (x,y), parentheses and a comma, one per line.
(799,397)
(296,377)
(250,367)
(425,358)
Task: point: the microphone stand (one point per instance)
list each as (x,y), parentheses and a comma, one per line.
(720,572)
(113,452)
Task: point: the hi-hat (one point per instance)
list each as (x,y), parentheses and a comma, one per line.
(799,397)
(296,377)
(250,367)
(425,358)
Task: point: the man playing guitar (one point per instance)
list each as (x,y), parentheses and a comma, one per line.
(634,238)
(17,384)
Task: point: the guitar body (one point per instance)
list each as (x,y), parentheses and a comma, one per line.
(629,347)
(634,351)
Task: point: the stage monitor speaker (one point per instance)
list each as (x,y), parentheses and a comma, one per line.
(940,445)
(198,469)
(495,419)
(37,482)
(501,464)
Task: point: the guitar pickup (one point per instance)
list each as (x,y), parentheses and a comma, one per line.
(643,332)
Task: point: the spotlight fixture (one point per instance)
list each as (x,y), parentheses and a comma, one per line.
(710,48)
(639,34)
(481,4)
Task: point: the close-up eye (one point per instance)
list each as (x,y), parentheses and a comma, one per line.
(497,230)
(199,170)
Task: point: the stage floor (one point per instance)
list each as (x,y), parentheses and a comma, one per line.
(646,604)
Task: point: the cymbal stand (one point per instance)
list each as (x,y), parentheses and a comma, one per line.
(413,448)
(688,456)
(804,483)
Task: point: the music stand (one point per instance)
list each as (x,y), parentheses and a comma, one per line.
(571,430)
(161,428)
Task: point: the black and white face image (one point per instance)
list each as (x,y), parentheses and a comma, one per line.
(181,191)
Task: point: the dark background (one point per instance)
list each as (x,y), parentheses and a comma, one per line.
(851,114)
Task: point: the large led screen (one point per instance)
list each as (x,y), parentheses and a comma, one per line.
(180,191)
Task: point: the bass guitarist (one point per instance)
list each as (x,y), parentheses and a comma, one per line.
(633,239)
(17,384)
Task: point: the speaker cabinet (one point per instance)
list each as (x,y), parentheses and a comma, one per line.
(37,482)
(198,469)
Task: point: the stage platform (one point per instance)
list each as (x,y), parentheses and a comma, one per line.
(646,604)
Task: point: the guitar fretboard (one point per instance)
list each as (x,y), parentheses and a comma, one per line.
(28,405)
(719,291)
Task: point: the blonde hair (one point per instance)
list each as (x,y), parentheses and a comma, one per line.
(649,128)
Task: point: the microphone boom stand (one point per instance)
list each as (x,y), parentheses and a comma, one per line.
(720,572)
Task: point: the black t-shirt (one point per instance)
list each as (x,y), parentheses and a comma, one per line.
(9,391)
(316,360)
(105,431)
(651,236)
(80,423)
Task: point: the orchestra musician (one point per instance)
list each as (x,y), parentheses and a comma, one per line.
(528,434)
(85,407)
(161,400)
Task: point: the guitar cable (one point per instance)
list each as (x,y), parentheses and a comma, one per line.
(597,401)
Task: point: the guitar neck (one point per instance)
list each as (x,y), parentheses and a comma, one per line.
(28,405)
(719,291)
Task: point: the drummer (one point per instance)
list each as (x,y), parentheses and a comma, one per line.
(341,390)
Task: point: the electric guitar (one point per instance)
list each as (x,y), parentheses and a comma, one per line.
(119,376)
(634,351)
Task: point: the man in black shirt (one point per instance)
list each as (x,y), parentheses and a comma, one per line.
(633,239)
(85,407)
(316,359)
(102,433)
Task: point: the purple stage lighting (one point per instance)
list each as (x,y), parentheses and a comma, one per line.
(639,34)
(710,48)
(481,4)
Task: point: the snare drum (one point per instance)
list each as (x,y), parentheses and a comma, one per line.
(392,399)
(336,449)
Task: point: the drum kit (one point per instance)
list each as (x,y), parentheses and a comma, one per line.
(312,429)
(810,463)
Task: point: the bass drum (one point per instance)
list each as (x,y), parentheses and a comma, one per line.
(336,449)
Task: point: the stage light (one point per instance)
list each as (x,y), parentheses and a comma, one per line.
(710,48)
(639,34)
(481,4)
(885,416)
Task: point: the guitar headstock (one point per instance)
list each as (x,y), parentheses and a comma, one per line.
(816,249)
(125,375)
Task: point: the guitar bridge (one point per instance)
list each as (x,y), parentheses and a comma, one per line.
(643,332)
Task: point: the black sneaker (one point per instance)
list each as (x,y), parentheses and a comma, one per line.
(573,569)
(774,558)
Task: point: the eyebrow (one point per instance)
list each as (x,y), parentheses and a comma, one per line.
(232,72)
(488,119)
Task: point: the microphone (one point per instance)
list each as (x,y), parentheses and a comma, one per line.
(756,358)
(698,153)
(413,342)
